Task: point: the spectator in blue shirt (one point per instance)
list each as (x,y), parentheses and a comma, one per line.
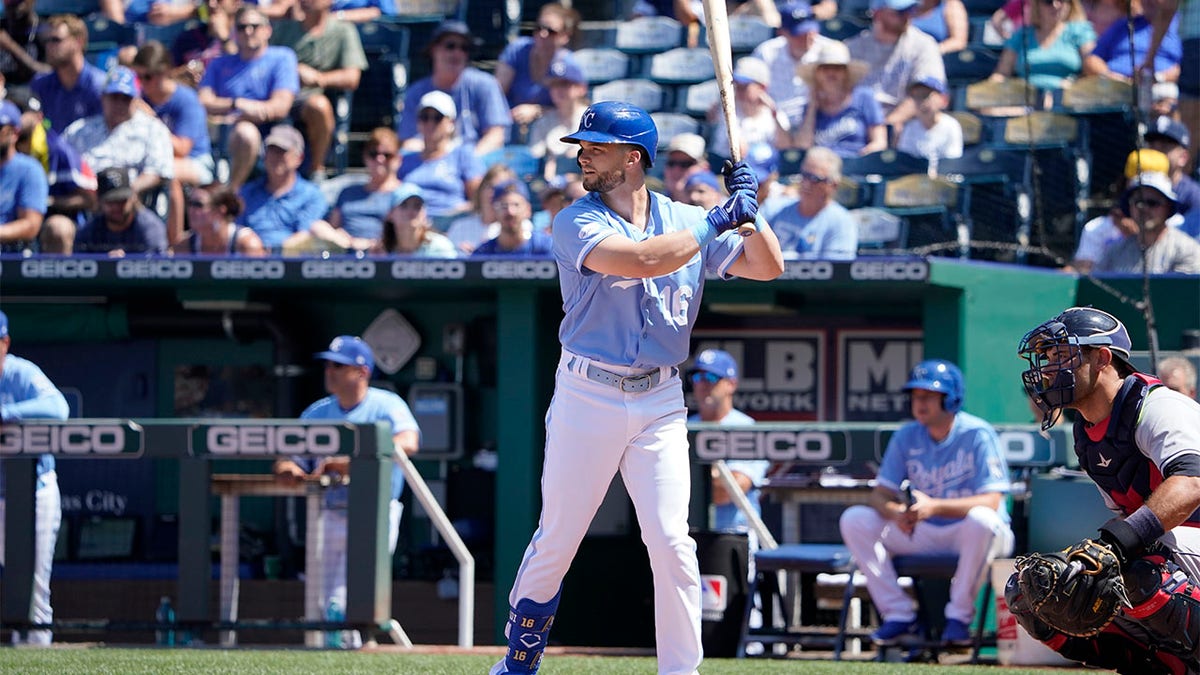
(72,90)
(154,12)
(483,118)
(1115,57)
(23,186)
(517,234)
(363,11)
(281,206)
(123,225)
(816,226)
(447,169)
(250,90)
(840,115)
(523,69)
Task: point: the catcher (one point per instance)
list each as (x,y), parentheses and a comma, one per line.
(1128,600)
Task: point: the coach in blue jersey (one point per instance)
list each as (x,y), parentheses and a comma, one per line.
(631,265)
(349,362)
(27,394)
(954,503)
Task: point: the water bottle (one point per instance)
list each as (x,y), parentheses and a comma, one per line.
(165,614)
(333,638)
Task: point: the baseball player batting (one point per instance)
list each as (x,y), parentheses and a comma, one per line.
(631,265)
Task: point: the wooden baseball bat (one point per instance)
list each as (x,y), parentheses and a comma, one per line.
(722,55)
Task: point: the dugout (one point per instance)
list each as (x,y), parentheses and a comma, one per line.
(830,341)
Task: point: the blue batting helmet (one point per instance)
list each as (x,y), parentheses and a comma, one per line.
(940,376)
(617,122)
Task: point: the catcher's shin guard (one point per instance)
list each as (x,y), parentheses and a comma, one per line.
(528,630)
(1166,604)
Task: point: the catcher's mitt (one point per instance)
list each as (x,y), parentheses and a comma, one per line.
(1077,591)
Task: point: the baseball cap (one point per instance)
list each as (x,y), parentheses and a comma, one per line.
(1155,181)
(10,114)
(564,67)
(3,324)
(112,184)
(439,101)
(556,185)
(1161,90)
(750,69)
(715,361)
(285,136)
(703,178)
(796,18)
(897,5)
(692,145)
(1170,129)
(934,83)
(349,350)
(121,80)
(504,187)
(763,159)
(449,27)
(1146,160)
(404,193)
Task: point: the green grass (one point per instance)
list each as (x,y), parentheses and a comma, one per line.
(250,661)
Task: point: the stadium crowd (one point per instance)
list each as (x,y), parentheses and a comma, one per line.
(226,136)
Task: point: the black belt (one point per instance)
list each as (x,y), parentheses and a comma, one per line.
(629,384)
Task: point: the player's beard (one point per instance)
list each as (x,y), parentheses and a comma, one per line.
(603,182)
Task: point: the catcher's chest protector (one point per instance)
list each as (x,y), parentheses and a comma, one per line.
(1114,462)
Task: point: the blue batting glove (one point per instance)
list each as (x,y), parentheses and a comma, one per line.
(741,207)
(739,177)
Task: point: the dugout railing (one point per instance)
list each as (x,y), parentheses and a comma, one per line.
(196,444)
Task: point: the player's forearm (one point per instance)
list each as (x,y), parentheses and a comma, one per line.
(649,258)
(762,259)
(958,507)
(51,406)
(21,229)
(1175,499)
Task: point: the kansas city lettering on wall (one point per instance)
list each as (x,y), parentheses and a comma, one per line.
(874,366)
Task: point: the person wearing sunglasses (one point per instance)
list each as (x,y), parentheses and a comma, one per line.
(358,213)
(1155,247)
(523,69)
(407,230)
(569,95)
(65,37)
(687,155)
(447,169)
(483,119)
(249,91)
(212,214)
(815,226)
(1051,47)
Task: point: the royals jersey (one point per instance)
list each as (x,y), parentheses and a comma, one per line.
(967,462)
(601,322)
(27,394)
(378,406)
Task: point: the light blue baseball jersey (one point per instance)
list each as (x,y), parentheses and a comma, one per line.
(968,462)
(600,321)
(379,406)
(728,517)
(27,394)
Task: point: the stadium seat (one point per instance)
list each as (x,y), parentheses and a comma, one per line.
(644,94)
(164,34)
(682,65)
(602,64)
(970,65)
(842,27)
(926,206)
(982,7)
(995,195)
(1110,131)
(380,94)
(879,231)
(105,38)
(972,126)
(516,157)
(648,35)
(1013,92)
(790,161)
(747,32)
(81,8)
(698,99)
(671,124)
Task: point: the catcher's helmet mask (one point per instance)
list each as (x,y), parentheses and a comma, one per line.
(1055,349)
(942,377)
(617,122)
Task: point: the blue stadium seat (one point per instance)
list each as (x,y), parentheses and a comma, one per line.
(380,94)
(671,124)
(678,68)
(602,64)
(969,65)
(926,206)
(697,99)
(105,38)
(645,94)
(747,32)
(995,196)
(842,27)
(516,157)
(1110,132)
(164,34)
(644,36)
(76,7)
(868,171)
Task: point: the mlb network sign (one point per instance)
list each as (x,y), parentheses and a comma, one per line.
(873,367)
(272,439)
(100,438)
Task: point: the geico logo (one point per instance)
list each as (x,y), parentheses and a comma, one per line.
(889,271)
(154,269)
(804,269)
(59,269)
(805,446)
(265,440)
(247,269)
(100,439)
(428,269)
(337,269)
(519,269)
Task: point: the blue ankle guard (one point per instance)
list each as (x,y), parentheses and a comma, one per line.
(528,629)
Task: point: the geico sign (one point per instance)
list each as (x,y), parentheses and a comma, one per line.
(273,440)
(337,269)
(778,446)
(70,439)
(247,269)
(59,269)
(819,270)
(428,269)
(519,269)
(154,269)
(913,270)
